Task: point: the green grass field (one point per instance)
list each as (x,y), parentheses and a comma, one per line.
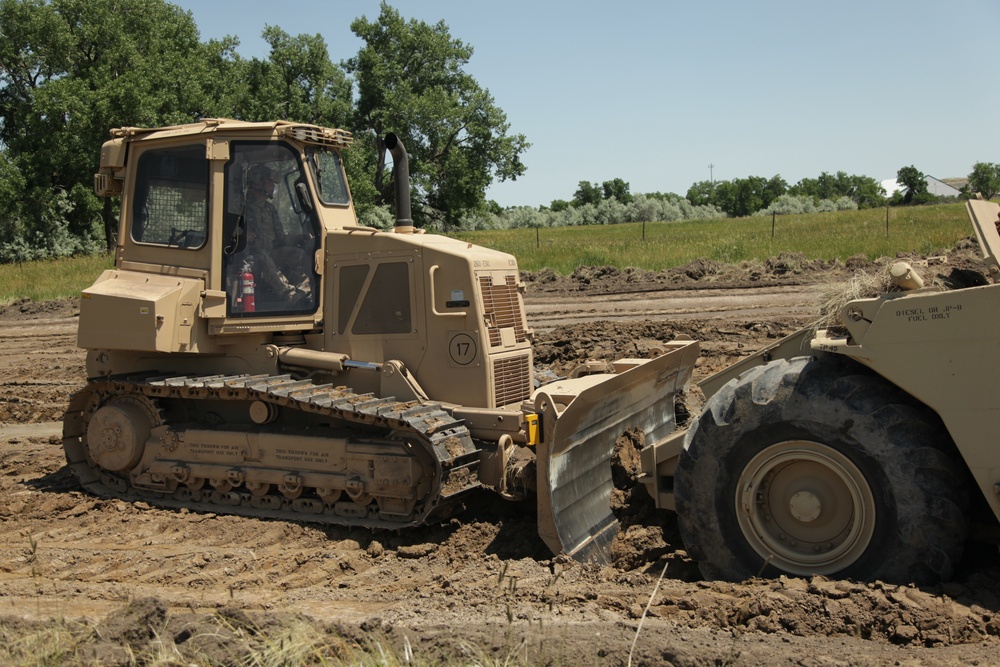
(50,279)
(922,229)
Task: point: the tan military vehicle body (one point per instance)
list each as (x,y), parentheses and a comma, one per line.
(864,452)
(256,351)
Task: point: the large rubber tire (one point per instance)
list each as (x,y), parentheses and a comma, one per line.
(819,466)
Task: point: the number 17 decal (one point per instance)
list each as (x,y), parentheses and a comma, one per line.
(462,349)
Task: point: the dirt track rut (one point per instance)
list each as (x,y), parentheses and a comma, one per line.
(548,311)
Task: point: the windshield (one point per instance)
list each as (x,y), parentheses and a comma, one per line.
(329,174)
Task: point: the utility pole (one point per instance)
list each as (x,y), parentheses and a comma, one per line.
(711,173)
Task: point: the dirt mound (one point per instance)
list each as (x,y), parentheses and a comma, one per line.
(25,309)
(783,269)
(562,349)
(787,268)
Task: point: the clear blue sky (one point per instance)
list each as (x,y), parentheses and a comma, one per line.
(654,92)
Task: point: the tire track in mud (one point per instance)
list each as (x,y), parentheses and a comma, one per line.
(546,312)
(40,365)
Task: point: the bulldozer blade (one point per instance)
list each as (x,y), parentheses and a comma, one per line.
(581,419)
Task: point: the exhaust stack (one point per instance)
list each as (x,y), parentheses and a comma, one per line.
(401,182)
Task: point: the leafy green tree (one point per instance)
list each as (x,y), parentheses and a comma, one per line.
(749,196)
(69,71)
(865,191)
(617,189)
(985,179)
(702,193)
(296,82)
(558,205)
(774,188)
(914,181)
(822,187)
(411,80)
(592,193)
(587,193)
(740,197)
(723,197)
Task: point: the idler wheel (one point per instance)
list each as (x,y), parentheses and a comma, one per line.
(117,434)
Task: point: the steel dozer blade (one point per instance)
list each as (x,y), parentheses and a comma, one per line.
(581,419)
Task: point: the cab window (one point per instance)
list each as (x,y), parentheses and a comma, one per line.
(170,207)
(328,171)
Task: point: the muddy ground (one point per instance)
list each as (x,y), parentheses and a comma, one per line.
(132,583)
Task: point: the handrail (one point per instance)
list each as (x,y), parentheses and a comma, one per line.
(434,309)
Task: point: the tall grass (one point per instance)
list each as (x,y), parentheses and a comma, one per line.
(50,279)
(841,234)
(215,642)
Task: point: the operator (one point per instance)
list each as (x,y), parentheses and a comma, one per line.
(279,267)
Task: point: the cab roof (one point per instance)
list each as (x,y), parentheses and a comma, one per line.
(303,132)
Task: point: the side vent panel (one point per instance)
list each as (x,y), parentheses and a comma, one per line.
(507,337)
(512,379)
(502,309)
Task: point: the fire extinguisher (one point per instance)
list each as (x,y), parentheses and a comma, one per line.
(245,300)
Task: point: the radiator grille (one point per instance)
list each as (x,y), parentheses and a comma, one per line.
(502,308)
(511,379)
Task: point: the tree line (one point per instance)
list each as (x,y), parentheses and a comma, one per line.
(71,70)
(612,201)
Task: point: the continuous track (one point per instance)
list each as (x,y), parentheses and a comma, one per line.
(441,450)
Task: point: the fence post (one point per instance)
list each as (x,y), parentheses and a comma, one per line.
(773,214)
(538,241)
(887,222)
(643,230)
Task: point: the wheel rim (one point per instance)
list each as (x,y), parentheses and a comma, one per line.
(805,508)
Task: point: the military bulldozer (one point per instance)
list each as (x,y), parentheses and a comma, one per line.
(256,351)
(860,450)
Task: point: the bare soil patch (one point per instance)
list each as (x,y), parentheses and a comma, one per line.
(129,580)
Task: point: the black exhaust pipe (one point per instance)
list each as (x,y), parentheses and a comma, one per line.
(401,181)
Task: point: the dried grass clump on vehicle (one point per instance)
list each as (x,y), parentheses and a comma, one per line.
(835,295)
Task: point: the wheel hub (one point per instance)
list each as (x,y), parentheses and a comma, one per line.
(805,507)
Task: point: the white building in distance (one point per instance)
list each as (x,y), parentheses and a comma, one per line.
(935,186)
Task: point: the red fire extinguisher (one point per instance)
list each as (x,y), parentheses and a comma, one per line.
(245,301)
